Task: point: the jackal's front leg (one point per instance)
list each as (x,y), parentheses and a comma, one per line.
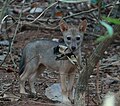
(71,78)
(63,78)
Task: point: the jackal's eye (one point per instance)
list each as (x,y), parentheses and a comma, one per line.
(68,38)
(77,38)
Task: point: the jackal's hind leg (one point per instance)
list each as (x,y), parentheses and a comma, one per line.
(32,79)
(23,77)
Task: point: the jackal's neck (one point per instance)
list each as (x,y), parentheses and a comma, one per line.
(77,52)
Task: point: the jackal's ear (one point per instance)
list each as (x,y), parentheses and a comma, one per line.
(83,26)
(63,26)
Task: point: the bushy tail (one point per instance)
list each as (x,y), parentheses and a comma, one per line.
(22,64)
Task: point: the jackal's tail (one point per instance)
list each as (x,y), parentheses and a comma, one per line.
(22,64)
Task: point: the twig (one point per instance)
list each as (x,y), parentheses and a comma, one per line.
(83,12)
(69,16)
(94,101)
(112,8)
(4,18)
(44,12)
(2,22)
(5,90)
(10,53)
(10,45)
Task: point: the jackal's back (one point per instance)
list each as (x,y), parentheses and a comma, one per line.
(42,47)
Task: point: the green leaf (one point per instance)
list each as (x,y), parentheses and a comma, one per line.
(112,20)
(101,38)
(73,1)
(108,27)
(109,32)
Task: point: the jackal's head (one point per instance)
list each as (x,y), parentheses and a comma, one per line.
(73,36)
